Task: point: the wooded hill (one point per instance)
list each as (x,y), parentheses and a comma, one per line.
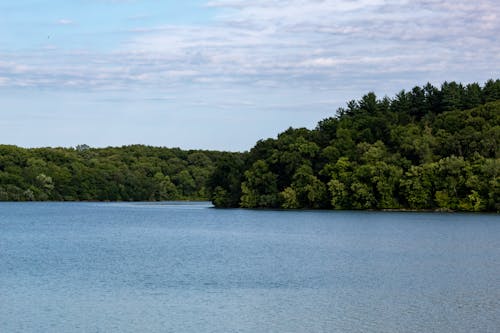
(130,173)
(428,148)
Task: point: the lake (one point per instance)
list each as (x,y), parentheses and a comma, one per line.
(186,267)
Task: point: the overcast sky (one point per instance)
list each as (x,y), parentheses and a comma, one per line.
(222,74)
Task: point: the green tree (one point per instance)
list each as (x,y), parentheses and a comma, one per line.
(311,192)
(165,188)
(260,187)
(289,199)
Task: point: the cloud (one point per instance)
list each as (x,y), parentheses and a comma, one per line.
(277,43)
(65,22)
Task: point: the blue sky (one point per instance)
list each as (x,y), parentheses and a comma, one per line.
(222,74)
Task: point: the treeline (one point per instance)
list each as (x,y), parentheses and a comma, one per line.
(130,173)
(428,148)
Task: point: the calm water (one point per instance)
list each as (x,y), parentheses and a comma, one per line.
(91,267)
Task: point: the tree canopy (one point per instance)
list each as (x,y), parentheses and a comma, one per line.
(427,148)
(130,173)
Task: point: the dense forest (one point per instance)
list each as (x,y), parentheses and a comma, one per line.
(130,173)
(428,148)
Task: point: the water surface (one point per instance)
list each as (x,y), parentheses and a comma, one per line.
(186,267)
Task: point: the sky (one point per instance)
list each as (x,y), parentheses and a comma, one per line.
(222,74)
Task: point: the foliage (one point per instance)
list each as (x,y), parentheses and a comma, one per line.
(427,148)
(130,173)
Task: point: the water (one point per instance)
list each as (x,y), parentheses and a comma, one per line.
(107,267)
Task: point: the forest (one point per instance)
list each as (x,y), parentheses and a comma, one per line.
(428,148)
(129,173)
(425,149)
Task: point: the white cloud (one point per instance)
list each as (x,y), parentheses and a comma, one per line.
(321,62)
(314,43)
(65,22)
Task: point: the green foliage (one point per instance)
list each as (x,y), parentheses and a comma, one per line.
(221,198)
(130,173)
(310,191)
(260,187)
(416,186)
(165,188)
(428,148)
(289,199)
(339,194)
(224,184)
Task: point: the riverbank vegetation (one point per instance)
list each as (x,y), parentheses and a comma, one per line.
(428,148)
(130,173)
